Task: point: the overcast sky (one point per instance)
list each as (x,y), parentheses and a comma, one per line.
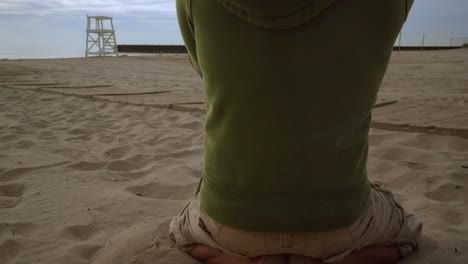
(56,28)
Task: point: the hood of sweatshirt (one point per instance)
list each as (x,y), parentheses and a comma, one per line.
(276,14)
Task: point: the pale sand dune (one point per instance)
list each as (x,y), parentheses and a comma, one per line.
(428,89)
(89,181)
(75,173)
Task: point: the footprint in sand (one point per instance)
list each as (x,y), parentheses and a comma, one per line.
(453,216)
(17,229)
(81,137)
(13,174)
(117,153)
(414,165)
(77,131)
(11,115)
(8,138)
(46,135)
(78,232)
(39,124)
(87,166)
(449,192)
(9,249)
(115,176)
(158,190)
(146,242)
(10,195)
(85,252)
(24,144)
(19,130)
(375,140)
(122,166)
(106,139)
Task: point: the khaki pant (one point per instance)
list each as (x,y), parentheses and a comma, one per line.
(383,223)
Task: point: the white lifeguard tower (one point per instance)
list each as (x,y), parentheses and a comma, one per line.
(100,36)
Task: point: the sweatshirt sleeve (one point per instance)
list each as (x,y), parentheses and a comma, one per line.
(409,4)
(187,30)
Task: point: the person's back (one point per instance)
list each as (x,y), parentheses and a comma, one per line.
(289,88)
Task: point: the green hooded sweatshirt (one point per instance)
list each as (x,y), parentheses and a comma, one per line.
(289,88)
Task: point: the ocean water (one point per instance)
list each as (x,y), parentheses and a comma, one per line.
(41,53)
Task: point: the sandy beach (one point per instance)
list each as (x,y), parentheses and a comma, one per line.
(97,155)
